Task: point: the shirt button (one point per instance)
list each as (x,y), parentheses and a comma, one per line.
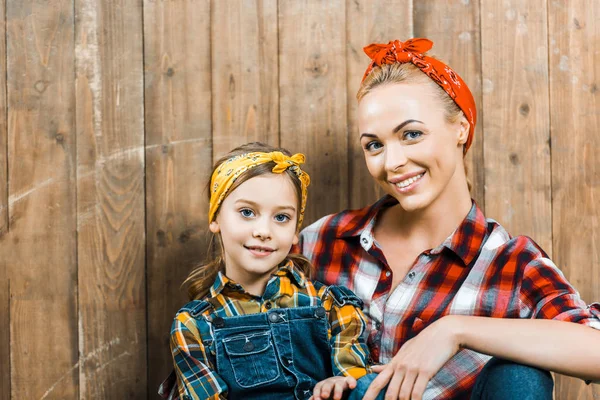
(377,325)
(411,275)
(387,274)
(365,240)
(268,305)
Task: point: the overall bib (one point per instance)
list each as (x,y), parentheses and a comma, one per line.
(279,354)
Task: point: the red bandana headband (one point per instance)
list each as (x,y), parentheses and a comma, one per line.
(412,51)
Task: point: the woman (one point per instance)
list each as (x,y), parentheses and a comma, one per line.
(445,289)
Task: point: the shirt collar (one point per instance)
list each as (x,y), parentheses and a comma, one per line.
(288,269)
(467,239)
(364,218)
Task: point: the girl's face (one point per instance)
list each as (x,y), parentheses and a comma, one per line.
(410,149)
(257,223)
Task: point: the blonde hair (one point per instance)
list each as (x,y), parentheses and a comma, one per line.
(203,276)
(409,73)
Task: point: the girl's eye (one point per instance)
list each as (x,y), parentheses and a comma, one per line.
(247,213)
(412,135)
(282,218)
(373,145)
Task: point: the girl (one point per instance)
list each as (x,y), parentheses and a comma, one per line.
(257,327)
(444,288)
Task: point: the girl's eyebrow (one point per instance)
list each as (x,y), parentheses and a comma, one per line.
(254,204)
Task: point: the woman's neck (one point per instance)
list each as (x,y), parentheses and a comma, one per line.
(431,225)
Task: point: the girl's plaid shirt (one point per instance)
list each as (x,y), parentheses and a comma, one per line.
(479,270)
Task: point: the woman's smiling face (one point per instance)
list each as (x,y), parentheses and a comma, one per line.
(410,148)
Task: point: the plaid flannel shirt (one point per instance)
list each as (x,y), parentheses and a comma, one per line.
(196,376)
(478,270)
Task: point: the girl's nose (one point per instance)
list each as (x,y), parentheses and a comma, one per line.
(261,231)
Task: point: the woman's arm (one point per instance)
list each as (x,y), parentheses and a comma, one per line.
(567,348)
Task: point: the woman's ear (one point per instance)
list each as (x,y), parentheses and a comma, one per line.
(463,131)
(295,240)
(214,227)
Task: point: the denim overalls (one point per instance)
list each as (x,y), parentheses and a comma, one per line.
(279,354)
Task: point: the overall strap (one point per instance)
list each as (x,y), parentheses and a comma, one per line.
(342,296)
(195,308)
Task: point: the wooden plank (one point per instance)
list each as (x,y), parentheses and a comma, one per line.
(312,96)
(3,127)
(40,248)
(4,273)
(368,22)
(4,332)
(453,26)
(110,201)
(178,162)
(516,117)
(574,103)
(245,73)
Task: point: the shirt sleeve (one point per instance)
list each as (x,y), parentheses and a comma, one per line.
(546,294)
(349,350)
(196,378)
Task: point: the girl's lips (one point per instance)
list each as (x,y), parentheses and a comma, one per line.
(259,251)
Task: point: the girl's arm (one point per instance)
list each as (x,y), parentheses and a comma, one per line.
(196,377)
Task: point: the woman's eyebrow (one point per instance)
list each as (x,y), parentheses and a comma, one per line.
(408,121)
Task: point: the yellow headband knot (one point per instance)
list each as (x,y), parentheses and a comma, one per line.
(226,174)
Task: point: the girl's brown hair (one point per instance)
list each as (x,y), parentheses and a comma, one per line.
(409,73)
(203,276)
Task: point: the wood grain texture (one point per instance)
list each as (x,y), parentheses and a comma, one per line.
(4,273)
(368,22)
(178,162)
(516,117)
(574,38)
(457,42)
(245,80)
(110,202)
(312,93)
(3,130)
(40,248)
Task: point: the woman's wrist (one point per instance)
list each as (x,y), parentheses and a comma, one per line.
(456,325)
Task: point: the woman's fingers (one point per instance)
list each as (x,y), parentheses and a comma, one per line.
(420,385)
(393,389)
(407,385)
(378,368)
(379,383)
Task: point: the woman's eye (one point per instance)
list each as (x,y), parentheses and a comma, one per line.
(246,213)
(372,146)
(282,218)
(412,135)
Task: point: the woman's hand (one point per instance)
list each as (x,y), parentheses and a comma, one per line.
(333,387)
(417,361)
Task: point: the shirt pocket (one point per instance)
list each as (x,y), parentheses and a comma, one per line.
(253,359)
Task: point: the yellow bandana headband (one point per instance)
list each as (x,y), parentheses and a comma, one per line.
(226,174)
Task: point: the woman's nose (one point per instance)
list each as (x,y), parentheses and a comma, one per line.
(395,157)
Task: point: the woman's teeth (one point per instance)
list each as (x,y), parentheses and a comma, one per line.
(408,181)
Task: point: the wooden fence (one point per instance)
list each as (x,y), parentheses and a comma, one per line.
(111,113)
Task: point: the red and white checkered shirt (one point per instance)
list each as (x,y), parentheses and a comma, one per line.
(479,270)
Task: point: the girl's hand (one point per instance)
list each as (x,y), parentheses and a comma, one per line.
(334,386)
(417,361)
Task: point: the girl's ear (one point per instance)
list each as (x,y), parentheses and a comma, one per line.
(295,240)
(214,227)
(463,131)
